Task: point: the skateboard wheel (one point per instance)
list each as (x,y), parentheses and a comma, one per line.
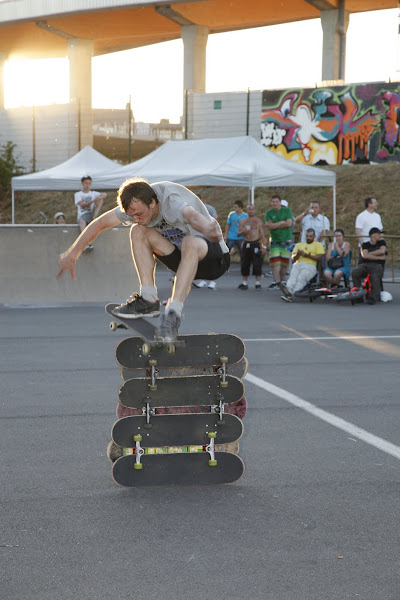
(212,462)
(153,362)
(146,348)
(137,438)
(113,326)
(223,384)
(138,466)
(171,348)
(212,434)
(223,359)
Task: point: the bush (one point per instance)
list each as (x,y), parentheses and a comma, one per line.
(9,167)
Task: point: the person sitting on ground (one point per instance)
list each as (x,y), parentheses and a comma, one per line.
(306,257)
(171,224)
(253,248)
(338,248)
(89,203)
(373,257)
(59,218)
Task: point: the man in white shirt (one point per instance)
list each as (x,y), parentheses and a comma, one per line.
(168,223)
(367,219)
(311,218)
(89,203)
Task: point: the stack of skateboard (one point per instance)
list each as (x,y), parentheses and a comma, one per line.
(179,411)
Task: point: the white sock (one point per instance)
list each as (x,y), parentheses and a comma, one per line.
(245,283)
(176,306)
(149,293)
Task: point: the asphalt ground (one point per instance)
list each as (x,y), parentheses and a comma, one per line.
(315,516)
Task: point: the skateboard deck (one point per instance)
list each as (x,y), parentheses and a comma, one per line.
(178,469)
(180,391)
(238,369)
(177,430)
(202,350)
(238,409)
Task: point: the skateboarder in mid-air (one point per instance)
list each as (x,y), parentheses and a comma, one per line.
(169,223)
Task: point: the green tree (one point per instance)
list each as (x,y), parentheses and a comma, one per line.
(9,167)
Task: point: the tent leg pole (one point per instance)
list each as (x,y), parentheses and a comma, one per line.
(12,208)
(252,195)
(334,207)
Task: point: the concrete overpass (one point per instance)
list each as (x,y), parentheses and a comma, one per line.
(81,29)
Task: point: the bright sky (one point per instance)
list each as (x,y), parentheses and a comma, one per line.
(272,57)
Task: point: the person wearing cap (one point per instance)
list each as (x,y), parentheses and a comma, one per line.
(89,204)
(59,218)
(373,256)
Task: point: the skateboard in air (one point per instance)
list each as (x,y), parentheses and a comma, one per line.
(143,328)
(176,449)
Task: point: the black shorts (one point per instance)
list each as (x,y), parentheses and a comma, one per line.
(251,255)
(213,265)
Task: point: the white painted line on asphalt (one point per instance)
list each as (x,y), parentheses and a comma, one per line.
(353,430)
(331,337)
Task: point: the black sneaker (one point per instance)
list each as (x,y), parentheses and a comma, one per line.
(285,290)
(169,325)
(370,299)
(273,286)
(258,287)
(137,307)
(243,286)
(287,298)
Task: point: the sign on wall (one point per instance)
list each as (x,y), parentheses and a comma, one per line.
(333,125)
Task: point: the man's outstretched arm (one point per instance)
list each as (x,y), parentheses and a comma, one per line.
(67,260)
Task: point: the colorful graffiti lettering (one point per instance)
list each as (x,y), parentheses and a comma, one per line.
(333,125)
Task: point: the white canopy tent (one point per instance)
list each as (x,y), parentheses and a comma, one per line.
(67,175)
(234,161)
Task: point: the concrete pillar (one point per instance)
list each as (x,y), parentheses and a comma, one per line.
(334,26)
(3,58)
(80,53)
(194,39)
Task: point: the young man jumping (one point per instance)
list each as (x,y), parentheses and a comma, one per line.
(169,223)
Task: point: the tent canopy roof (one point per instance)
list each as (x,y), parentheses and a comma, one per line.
(67,175)
(234,161)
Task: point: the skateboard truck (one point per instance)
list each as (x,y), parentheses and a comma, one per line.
(223,372)
(148,412)
(138,452)
(219,408)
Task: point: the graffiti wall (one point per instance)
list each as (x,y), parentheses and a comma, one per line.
(333,125)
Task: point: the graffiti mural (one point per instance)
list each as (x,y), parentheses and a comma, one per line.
(333,125)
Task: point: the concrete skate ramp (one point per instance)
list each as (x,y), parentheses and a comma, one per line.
(28,266)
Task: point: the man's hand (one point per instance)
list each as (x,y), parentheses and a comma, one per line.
(66,263)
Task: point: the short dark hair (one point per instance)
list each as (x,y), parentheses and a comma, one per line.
(368,201)
(276,196)
(135,187)
(86,177)
(238,203)
(338,230)
(310,229)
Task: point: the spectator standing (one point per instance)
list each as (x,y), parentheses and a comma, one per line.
(89,204)
(231,235)
(200,283)
(253,248)
(306,257)
(59,218)
(373,257)
(278,221)
(367,219)
(312,218)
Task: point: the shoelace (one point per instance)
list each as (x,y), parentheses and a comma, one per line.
(134,299)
